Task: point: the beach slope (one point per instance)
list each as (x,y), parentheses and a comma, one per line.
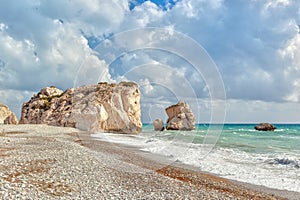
(45,162)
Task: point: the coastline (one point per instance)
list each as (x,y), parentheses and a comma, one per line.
(191,174)
(68,163)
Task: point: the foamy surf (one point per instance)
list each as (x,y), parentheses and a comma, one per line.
(241,154)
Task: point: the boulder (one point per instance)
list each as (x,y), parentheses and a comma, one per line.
(7,116)
(180,116)
(96,108)
(11,119)
(265,127)
(158,125)
(51,91)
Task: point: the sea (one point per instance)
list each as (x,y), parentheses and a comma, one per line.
(233,151)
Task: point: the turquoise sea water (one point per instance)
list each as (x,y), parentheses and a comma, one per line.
(243,137)
(286,138)
(234,151)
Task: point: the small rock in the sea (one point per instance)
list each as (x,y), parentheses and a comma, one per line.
(180,116)
(158,125)
(265,127)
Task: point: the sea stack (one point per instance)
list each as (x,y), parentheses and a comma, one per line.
(158,125)
(96,108)
(7,116)
(265,127)
(180,116)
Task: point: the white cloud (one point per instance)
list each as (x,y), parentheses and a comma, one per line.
(65,51)
(15,98)
(41,44)
(145,85)
(146,14)
(255,46)
(271,4)
(291,53)
(15,54)
(197,9)
(253,111)
(93,16)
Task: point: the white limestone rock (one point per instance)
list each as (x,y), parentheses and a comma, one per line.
(180,116)
(158,125)
(7,116)
(96,108)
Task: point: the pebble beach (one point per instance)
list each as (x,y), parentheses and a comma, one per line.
(45,162)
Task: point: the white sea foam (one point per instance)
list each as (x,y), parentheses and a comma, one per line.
(274,170)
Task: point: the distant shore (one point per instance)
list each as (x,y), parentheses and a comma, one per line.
(39,161)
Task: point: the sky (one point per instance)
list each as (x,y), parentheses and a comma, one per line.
(249,51)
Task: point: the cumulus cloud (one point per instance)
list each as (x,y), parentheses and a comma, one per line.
(291,53)
(42,44)
(244,39)
(14,99)
(255,46)
(54,62)
(93,16)
(146,14)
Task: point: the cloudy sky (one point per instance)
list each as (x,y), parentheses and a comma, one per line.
(249,53)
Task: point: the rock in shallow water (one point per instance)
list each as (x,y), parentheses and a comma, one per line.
(95,108)
(180,116)
(265,127)
(158,125)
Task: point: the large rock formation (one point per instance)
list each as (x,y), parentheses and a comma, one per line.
(180,116)
(95,108)
(265,127)
(7,116)
(158,125)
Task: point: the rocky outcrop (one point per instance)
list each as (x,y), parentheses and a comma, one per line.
(158,125)
(265,127)
(96,108)
(11,119)
(7,116)
(180,116)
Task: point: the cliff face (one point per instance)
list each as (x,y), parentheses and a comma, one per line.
(7,116)
(102,107)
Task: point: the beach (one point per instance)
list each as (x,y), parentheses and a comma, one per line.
(45,162)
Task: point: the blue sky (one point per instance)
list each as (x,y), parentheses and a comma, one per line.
(255,45)
(164,4)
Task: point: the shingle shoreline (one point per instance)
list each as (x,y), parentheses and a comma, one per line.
(44,162)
